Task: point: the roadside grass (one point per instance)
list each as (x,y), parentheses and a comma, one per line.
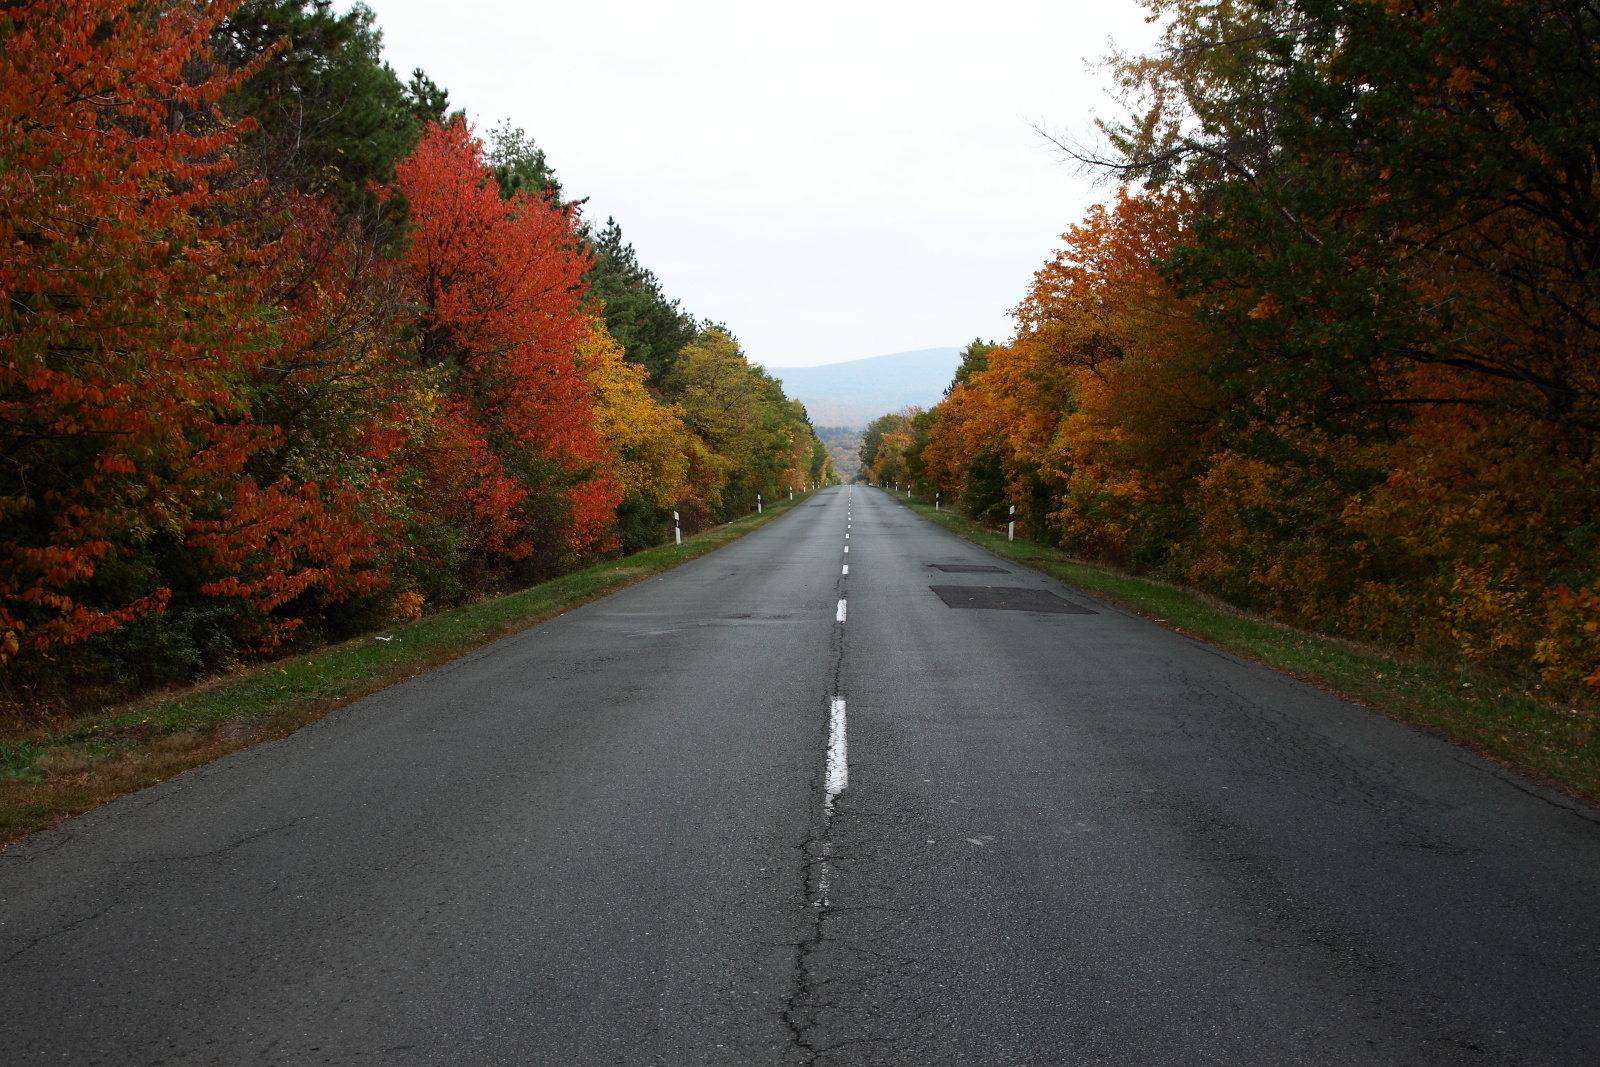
(51,774)
(1497,715)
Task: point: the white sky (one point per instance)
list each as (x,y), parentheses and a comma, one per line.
(833,180)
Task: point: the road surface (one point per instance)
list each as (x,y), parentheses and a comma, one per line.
(759,810)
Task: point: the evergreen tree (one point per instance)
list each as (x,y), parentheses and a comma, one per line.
(331,116)
(974,360)
(652,328)
(519,165)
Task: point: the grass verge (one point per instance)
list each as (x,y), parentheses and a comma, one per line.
(1499,716)
(52,774)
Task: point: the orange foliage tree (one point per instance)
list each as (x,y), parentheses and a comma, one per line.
(1116,424)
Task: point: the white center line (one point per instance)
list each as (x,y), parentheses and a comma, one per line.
(840,616)
(847,548)
(846,569)
(838,775)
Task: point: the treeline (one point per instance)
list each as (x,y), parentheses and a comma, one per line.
(1333,354)
(288,351)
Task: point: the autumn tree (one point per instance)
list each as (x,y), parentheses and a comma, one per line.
(1393,235)
(128,316)
(1334,363)
(514,460)
(660,465)
(762,441)
(1386,186)
(884,444)
(288,353)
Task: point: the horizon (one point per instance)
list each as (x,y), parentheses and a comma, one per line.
(904,141)
(772,368)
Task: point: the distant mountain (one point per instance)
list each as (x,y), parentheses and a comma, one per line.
(856,392)
(842,414)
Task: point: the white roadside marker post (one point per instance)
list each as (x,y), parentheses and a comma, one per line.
(935,501)
(1011,527)
(758,503)
(677,530)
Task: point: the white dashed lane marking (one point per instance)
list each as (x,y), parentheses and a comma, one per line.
(838,774)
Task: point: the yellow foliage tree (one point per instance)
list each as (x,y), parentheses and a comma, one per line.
(651,444)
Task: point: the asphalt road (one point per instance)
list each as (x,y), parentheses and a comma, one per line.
(638,835)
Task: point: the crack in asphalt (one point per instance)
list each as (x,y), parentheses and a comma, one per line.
(67,928)
(221,849)
(800,1006)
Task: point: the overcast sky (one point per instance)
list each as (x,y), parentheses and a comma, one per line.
(833,180)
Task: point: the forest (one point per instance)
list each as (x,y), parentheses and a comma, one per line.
(1332,351)
(290,350)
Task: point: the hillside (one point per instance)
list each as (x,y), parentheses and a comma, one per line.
(854,393)
(844,445)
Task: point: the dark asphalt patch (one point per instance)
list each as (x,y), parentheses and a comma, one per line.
(1006,598)
(967,568)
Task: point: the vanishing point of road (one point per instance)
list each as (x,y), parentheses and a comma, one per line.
(789,804)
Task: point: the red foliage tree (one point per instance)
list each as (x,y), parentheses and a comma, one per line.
(500,293)
(136,321)
(124,301)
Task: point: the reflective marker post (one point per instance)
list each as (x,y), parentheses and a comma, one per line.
(1011,527)
(935,501)
(758,503)
(677,531)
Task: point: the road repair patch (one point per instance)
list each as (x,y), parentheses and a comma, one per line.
(1006,598)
